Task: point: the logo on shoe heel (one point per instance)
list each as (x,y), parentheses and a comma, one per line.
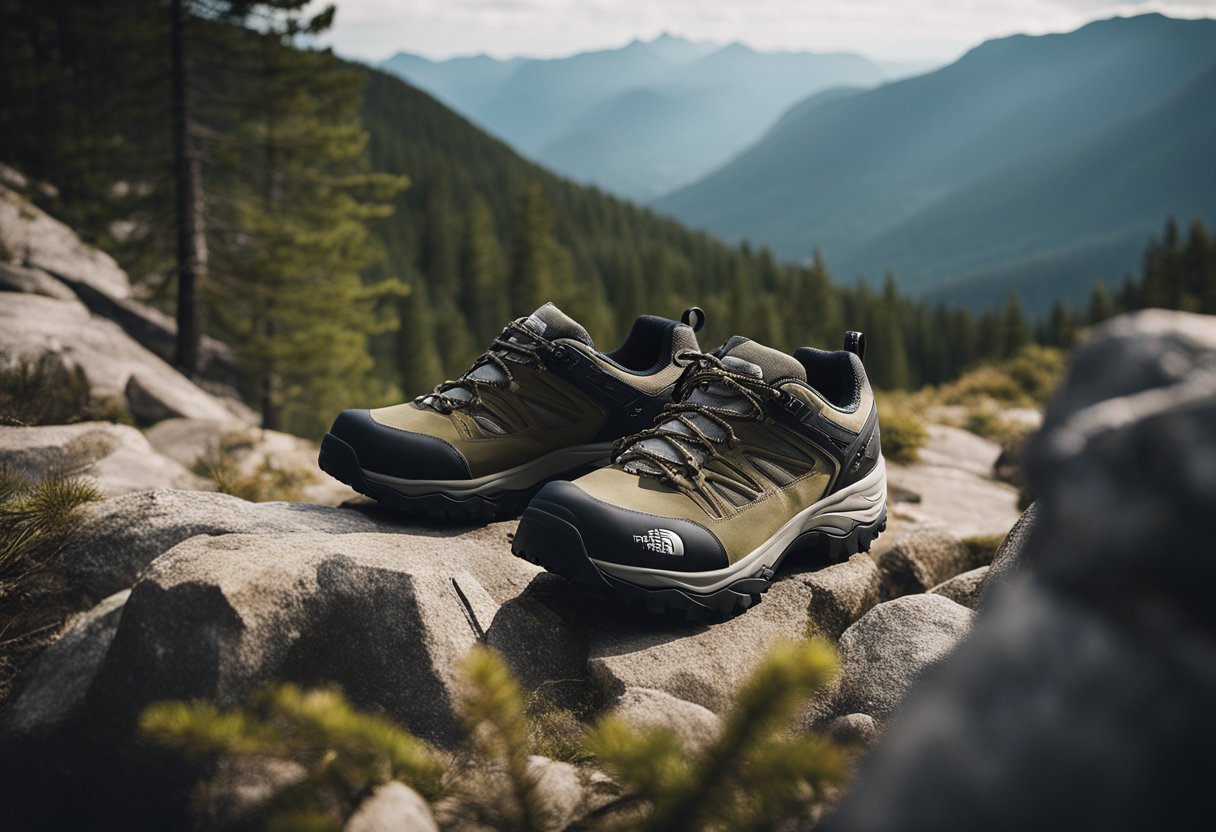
(661,541)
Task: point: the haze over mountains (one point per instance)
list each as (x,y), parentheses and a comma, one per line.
(1040,164)
(640,120)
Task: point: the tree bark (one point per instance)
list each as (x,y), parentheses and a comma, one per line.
(191,222)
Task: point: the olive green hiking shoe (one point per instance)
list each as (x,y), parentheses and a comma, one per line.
(541,403)
(759,453)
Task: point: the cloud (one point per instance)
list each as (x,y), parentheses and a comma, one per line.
(891,29)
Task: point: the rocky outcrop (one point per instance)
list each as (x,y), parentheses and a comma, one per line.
(953,486)
(888,649)
(15,278)
(34,325)
(43,242)
(1012,551)
(843,593)
(219,618)
(116,458)
(393,807)
(55,262)
(921,560)
(644,710)
(55,684)
(126,534)
(965,589)
(1082,699)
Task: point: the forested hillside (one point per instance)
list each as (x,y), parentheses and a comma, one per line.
(1032,164)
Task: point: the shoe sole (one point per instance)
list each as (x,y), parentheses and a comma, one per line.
(548,537)
(478,501)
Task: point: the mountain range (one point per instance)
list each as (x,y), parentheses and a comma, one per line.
(640,120)
(1040,164)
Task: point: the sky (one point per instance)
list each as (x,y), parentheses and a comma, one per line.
(890,30)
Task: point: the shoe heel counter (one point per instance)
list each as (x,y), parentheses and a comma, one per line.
(866,451)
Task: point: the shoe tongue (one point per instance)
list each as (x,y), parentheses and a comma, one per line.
(769,364)
(739,355)
(551,323)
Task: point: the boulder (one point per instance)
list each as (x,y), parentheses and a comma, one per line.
(33,325)
(14,278)
(127,533)
(1012,550)
(55,683)
(843,593)
(116,457)
(964,589)
(560,789)
(700,663)
(249,449)
(853,730)
(43,242)
(393,807)
(218,618)
(240,789)
(887,650)
(921,559)
(645,710)
(1083,698)
(546,654)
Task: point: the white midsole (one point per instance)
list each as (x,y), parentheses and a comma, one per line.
(861,502)
(512,479)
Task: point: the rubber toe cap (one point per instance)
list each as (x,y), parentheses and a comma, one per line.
(632,538)
(399,453)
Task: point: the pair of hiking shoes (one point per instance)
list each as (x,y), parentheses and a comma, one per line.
(671,478)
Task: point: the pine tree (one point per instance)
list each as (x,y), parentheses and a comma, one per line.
(1099,304)
(532,279)
(1059,327)
(1015,331)
(440,244)
(632,296)
(417,352)
(297,308)
(890,360)
(483,297)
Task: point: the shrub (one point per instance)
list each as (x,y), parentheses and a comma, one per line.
(902,428)
(758,774)
(344,753)
(1026,380)
(37,519)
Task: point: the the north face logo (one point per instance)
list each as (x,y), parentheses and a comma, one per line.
(662,541)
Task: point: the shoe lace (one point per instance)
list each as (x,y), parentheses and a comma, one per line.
(702,370)
(527,349)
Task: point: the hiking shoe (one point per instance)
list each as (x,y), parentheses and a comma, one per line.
(759,453)
(541,403)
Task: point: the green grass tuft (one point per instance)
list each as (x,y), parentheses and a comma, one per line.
(902,428)
(45,391)
(37,519)
(266,482)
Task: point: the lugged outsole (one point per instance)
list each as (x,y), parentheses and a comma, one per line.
(339,460)
(555,544)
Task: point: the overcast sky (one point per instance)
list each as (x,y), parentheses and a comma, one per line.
(372,30)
